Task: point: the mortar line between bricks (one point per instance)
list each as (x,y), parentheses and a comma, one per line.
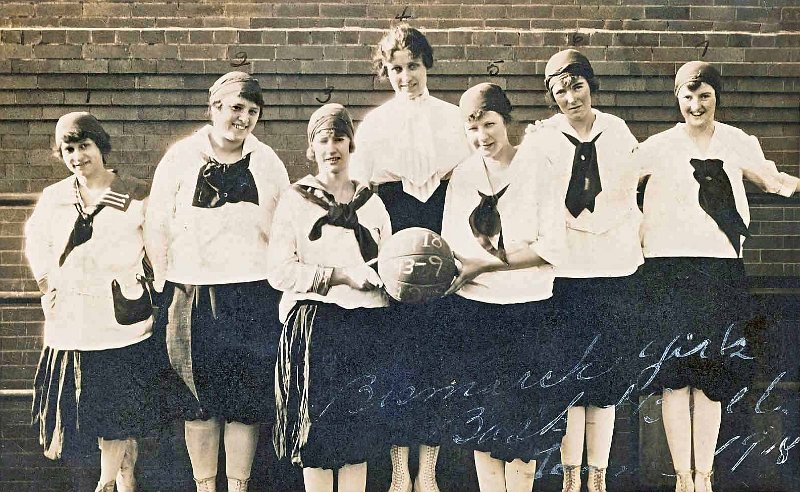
(427,31)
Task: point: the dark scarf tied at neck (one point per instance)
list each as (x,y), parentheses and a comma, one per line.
(218,184)
(122,191)
(717,200)
(584,184)
(81,231)
(341,215)
(485,223)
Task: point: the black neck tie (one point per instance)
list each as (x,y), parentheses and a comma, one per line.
(218,184)
(341,215)
(717,200)
(584,184)
(485,223)
(81,231)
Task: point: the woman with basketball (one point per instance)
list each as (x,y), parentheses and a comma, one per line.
(212,200)
(503,219)
(407,148)
(695,220)
(97,375)
(327,228)
(596,287)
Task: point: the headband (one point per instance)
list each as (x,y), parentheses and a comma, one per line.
(698,71)
(233,83)
(567,61)
(484,97)
(332,117)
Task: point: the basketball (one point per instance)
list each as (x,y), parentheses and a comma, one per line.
(416,265)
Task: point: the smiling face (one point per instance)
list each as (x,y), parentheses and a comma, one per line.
(407,74)
(82,158)
(488,134)
(574,97)
(234,117)
(697,106)
(331,152)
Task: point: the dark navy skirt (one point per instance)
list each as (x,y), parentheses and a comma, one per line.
(602,317)
(222,340)
(700,327)
(512,380)
(412,347)
(323,386)
(80,396)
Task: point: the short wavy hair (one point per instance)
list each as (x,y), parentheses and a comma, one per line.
(401,37)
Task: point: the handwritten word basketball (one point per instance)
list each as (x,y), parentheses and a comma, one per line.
(416,265)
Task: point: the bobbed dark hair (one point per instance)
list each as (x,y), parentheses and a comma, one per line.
(85,127)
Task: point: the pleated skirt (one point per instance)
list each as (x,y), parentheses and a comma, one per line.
(601,317)
(324,414)
(513,380)
(222,340)
(80,396)
(701,330)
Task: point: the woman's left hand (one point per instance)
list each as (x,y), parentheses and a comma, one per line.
(534,127)
(470,268)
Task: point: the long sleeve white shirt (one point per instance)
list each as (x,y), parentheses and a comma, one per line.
(205,246)
(415,141)
(294,259)
(605,242)
(82,316)
(674,224)
(531,217)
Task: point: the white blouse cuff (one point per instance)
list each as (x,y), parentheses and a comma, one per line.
(788,185)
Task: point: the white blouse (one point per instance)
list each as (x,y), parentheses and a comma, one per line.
(674,224)
(415,141)
(295,260)
(603,243)
(206,246)
(531,217)
(82,317)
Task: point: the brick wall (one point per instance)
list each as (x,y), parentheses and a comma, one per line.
(665,15)
(144,68)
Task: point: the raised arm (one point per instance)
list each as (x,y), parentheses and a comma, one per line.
(763,173)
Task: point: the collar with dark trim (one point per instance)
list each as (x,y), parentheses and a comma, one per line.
(123,190)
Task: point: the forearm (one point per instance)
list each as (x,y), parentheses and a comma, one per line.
(156,241)
(524,257)
(339,276)
(158,218)
(38,247)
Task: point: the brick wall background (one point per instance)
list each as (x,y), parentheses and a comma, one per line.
(143,68)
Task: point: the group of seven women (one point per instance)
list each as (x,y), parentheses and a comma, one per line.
(252,274)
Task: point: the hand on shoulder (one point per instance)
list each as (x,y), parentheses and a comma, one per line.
(534,127)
